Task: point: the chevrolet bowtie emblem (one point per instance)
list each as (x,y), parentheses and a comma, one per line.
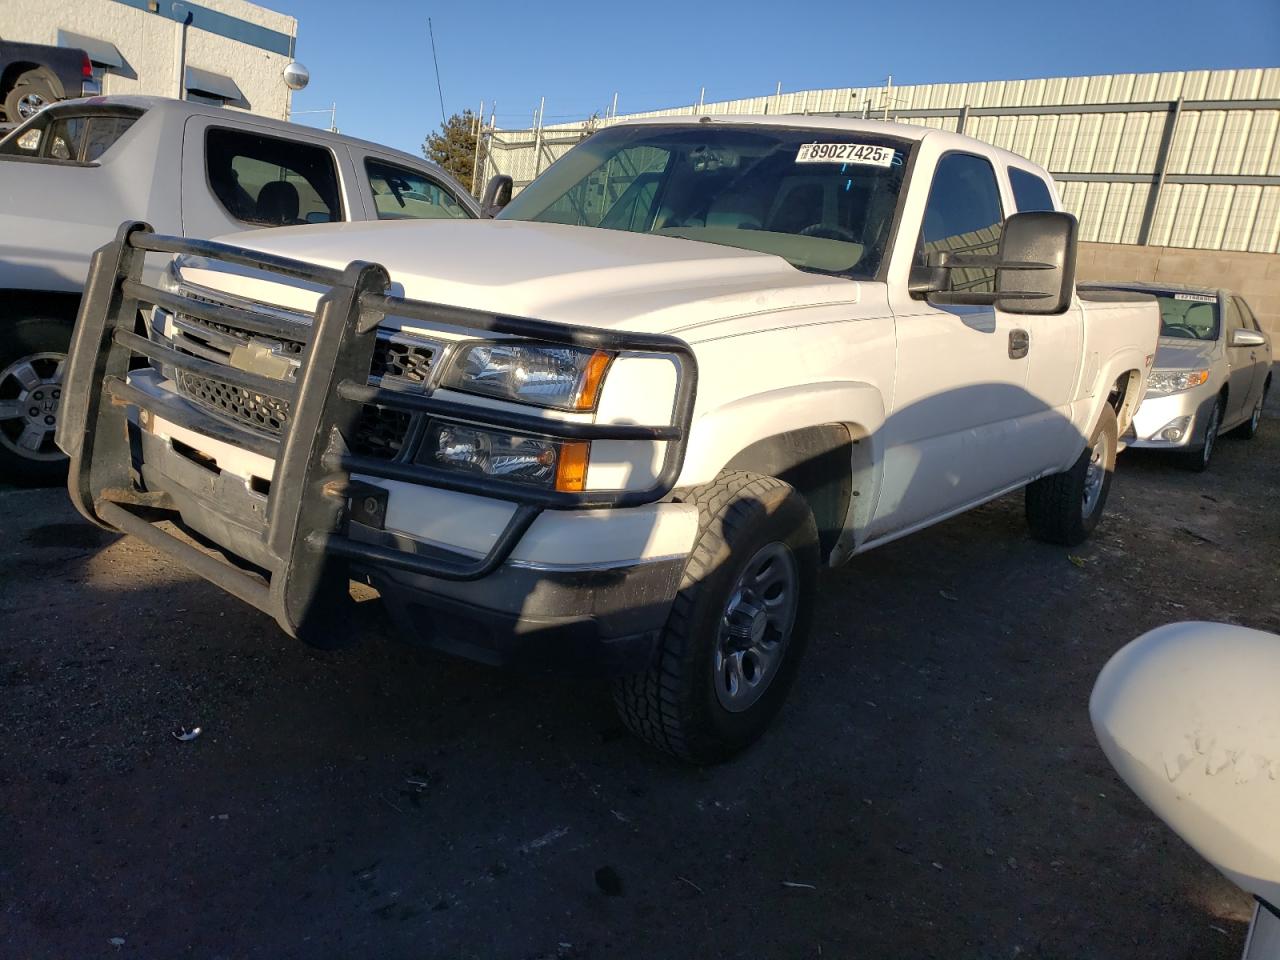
(265,358)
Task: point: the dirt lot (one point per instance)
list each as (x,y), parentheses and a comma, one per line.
(933,789)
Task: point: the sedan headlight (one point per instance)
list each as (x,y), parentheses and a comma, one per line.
(1162,382)
(553,464)
(564,378)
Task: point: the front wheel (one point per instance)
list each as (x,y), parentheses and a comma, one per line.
(33,352)
(1065,507)
(1249,429)
(1198,460)
(738,626)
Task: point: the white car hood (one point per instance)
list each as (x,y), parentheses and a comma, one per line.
(1175,353)
(563,274)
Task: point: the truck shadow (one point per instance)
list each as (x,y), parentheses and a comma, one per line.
(934,778)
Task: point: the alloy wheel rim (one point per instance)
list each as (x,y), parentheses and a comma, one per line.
(30,394)
(756,627)
(1210,435)
(30,104)
(1095,476)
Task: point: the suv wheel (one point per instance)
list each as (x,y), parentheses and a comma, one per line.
(33,352)
(738,626)
(1065,507)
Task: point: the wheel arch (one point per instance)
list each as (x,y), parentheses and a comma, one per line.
(54,304)
(1123,398)
(9,79)
(823,439)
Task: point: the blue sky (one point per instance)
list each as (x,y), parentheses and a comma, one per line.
(374,57)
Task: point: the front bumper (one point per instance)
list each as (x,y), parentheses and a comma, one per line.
(1187,411)
(306,532)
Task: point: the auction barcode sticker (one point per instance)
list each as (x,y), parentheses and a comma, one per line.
(864,153)
(1197,297)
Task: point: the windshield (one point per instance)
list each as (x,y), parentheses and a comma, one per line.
(823,200)
(1188,316)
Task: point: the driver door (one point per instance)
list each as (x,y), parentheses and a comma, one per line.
(958,430)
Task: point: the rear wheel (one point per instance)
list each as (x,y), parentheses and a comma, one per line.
(1065,507)
(1198,459)
(33,352)
(30,94)
(738,626)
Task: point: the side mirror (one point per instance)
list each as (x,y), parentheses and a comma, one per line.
(1037,270)
(1247,338)
(497,194)
(1035,267)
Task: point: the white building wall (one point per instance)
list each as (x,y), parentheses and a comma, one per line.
(149,44)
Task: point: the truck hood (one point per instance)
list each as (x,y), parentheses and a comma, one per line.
(1176,353)
(554,272)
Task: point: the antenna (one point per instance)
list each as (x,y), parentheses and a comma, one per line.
(436,61)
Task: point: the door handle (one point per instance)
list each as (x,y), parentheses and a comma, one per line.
(1019,344)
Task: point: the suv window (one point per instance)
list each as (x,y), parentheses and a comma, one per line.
(69,137)
(272,182)
(963,215)
(1029,191)
(403,194)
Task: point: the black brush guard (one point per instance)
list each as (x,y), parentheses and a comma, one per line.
(304,525)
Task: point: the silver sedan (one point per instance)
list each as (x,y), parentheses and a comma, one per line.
(1211,372)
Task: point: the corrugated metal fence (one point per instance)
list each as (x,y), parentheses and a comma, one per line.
(1185,159)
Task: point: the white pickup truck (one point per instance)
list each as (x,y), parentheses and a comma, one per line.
(70,175)
(623,425)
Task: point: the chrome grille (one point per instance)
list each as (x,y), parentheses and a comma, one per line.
(399,362)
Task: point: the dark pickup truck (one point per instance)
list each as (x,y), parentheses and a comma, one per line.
(34,75)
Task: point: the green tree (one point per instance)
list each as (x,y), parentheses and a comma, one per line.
(453,147)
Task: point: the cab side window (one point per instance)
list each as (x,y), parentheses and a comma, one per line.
(1029,191)
(963,216)
(272,182)
(403,194)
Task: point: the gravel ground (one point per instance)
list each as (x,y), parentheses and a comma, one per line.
(933,788)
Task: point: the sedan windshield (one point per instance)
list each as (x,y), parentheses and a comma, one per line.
(823,200)
(1188,316)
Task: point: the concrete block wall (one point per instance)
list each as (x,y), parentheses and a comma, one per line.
(1255,276)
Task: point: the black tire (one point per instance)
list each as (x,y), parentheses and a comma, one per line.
(1197,460)
(1249,429)
(1057,511)
(40,343)
(675,705)
(29,87)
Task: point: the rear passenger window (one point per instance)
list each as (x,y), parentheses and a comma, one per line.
(101,134)
(1029,191)
(74,138)
(963,215)
(403,194)
(272,182)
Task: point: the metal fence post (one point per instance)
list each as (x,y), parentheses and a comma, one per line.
(1162,166)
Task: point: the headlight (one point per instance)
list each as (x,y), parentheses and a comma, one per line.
(554,464)
(1174,381)
(566,378)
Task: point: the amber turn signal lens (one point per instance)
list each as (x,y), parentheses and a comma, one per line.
(571,467)
(592,377)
